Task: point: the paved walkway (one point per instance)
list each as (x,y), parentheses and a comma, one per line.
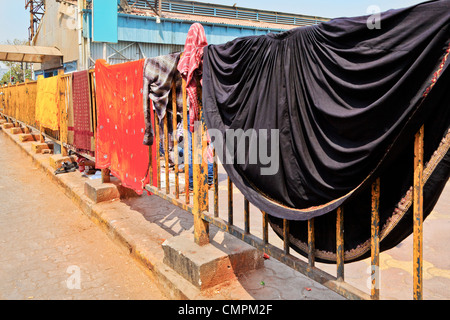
(50,249)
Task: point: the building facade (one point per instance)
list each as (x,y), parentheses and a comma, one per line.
(131,30)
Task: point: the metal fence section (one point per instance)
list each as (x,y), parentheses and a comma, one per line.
(219,202)
(209,206)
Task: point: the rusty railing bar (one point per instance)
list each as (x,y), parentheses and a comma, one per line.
(186,151)
(158,148)
(246,215)
(265,227)
(418,216)
(166,151)
(375,241)
(311,243)
(174,138)
(340,244)
(230,202)
(216,185)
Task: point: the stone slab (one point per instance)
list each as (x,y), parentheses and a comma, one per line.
(39,147)
(220,261)
(26,137)
(7,125)
(17,130)
(100,192)
(57,160)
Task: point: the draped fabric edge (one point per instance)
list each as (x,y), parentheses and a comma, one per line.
(115,173)
(266,204)
(396,217)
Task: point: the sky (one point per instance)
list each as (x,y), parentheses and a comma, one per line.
(14,19)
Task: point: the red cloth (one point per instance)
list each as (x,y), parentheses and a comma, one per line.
(81,110)
(190,62)
(120,124)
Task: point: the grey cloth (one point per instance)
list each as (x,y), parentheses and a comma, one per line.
(159,73)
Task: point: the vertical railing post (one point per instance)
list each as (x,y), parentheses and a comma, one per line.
(246,216)
(340,244)
(286,236)
(174,138)
(186,149)
(265,227)
(158,150)
(200,177)
(418,216)
(375,241)
(62,111)
(166,151)
(106,176)
(216,185)
(311,243)
(230,202)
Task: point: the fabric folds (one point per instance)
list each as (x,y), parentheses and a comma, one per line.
(47,102)
(159,74)
(121,122)
(81,111)
(190,67)
(337,105)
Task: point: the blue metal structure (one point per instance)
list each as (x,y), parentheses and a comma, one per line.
(151,32)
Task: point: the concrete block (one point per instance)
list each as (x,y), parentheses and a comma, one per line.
(57,160)
(39,147)
(26,137)
(99,192)
(7,125)
(17,130)
(220,261)
(2,121)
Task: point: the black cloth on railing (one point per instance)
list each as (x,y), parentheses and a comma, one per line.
(339,104)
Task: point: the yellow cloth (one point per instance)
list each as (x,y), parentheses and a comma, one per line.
(47,106)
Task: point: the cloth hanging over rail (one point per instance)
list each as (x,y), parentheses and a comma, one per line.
(47,102)
(337,105)
(120,124)
(190,67)
(82,126)
(159,74)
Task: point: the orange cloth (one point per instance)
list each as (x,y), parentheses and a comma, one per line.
(121,122)
(47,102)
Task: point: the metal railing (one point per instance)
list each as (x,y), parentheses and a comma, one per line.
(205,214)
(204,203)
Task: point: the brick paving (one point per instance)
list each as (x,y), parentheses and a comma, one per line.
(50,250)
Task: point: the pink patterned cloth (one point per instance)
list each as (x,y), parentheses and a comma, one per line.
(190,64)
(81,111)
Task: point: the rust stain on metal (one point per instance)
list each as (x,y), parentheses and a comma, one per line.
(311,243)
(340,244)
(375,241)
(418,216)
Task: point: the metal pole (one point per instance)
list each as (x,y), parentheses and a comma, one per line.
(418,216)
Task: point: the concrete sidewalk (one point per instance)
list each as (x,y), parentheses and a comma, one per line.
(141,224)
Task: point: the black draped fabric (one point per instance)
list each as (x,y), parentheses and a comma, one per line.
(341,102)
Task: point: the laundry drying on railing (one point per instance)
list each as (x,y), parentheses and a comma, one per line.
(159,75)
(81,113)
(121,122)
(337,105)
(47,102)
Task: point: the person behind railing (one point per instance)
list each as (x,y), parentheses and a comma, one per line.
(181,157)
